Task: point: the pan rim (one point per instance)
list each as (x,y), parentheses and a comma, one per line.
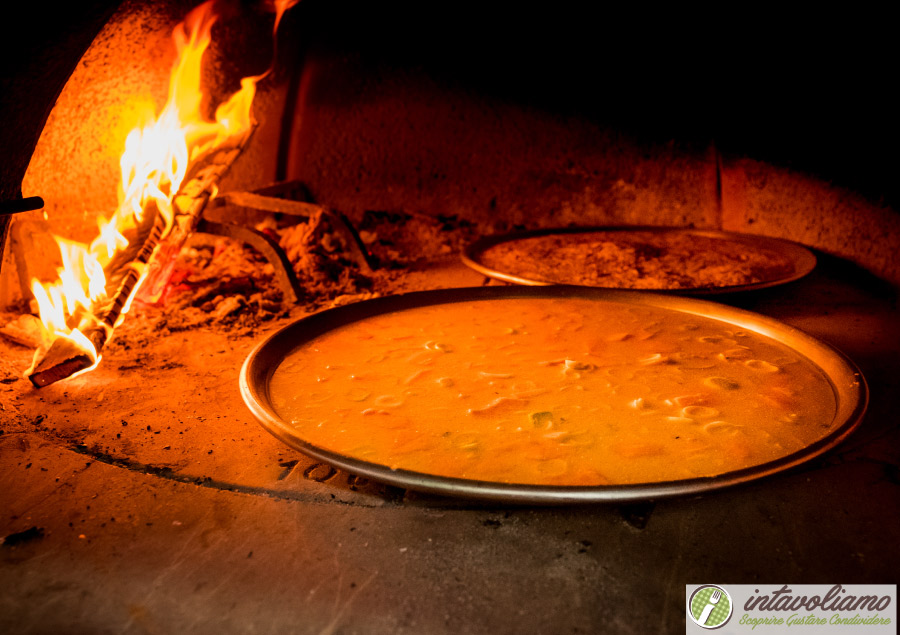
(802,259)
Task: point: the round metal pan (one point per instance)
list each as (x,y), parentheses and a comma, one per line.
(802,259)
(849,387)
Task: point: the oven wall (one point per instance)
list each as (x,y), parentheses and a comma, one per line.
(752,123)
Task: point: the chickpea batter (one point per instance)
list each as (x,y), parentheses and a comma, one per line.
(556,392)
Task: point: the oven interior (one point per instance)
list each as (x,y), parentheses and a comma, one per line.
(143,496)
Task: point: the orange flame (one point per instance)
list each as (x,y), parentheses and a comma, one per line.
(154,163)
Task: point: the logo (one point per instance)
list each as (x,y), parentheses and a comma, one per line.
(710,606)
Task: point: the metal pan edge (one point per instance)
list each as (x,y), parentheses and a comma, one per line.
(803,259)
(848,383)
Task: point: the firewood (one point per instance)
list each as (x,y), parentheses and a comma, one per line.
(63,359)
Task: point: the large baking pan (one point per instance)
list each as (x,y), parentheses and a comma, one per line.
(851,394)
(801,259)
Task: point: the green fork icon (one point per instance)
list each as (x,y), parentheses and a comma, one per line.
(713,600)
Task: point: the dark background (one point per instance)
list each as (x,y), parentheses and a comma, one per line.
(808,92)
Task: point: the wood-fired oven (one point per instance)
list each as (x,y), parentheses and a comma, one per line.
(143,496)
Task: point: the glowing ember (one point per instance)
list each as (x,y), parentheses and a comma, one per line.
(158,155)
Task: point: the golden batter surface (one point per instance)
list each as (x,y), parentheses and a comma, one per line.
(556,392)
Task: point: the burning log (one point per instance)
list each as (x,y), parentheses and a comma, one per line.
(153,262)
(170,168)
(192,198)
(63,359)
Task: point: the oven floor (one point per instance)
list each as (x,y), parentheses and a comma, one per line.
(144,498)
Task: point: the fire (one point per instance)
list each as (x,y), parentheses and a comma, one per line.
(158,155)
